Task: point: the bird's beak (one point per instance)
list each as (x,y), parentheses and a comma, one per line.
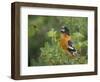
(62,30)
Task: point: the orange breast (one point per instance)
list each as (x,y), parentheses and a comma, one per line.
(64,41)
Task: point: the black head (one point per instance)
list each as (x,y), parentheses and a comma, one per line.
(65,29)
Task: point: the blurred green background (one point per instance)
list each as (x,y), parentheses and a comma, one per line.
(44,35)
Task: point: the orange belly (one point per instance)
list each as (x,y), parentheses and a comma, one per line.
(64,41)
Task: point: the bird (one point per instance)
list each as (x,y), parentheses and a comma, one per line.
(66,42)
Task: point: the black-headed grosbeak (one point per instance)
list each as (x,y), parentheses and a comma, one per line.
(66,43)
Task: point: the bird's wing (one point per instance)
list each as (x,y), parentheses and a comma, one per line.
(70,46)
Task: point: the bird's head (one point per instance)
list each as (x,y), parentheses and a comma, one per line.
(65,30)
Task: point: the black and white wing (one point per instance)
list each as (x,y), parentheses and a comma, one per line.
(71,48)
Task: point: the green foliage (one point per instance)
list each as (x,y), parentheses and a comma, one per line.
(43,40)
(53,54)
